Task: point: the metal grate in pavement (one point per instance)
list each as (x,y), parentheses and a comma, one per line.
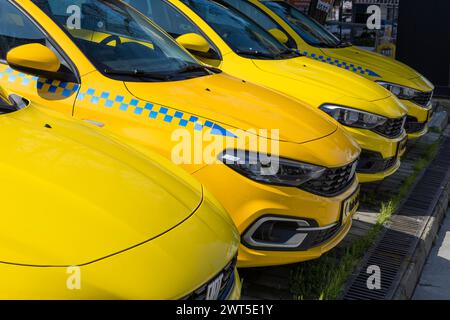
(402,235)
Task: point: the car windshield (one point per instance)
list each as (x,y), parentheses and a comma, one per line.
(242,34)
(12,104)
(120,42)
(310,30)
(259,16)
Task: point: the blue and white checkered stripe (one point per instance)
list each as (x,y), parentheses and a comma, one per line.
(108,100)
(64,89)
(342,64)
(155,112)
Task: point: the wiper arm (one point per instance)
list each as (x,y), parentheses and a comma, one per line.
(192,68)
(344,44)
(198,67)
(255,53)
(293,52)
(137,74)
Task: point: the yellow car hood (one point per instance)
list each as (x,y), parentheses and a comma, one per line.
(383,68)
(334,83)
(237,104)
(70,195)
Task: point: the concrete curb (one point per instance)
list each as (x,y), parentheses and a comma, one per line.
(411,275)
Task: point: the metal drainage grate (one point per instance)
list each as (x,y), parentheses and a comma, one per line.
(398,243)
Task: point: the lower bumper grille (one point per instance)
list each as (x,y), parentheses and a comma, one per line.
(373,162)
(323,236)
(412,125)
(423,98)
(226,284)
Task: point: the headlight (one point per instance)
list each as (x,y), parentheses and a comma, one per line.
(401,92)
(354,118)
(270,169)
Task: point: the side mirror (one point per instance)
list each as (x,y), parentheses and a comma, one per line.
(38,60)
(194,42)
(279,35)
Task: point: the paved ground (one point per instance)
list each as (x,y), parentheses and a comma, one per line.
(435,280)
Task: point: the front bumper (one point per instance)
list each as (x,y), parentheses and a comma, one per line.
(247,201)
(389,150)
(254,258)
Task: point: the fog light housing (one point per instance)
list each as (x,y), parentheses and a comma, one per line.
(276,232)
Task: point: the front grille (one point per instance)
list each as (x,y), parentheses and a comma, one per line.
(332,182)
(412,125)
(423,98)
(373,162)
(392,128)
(226,286)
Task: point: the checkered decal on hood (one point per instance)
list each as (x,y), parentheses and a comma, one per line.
(111,100)
(342,64)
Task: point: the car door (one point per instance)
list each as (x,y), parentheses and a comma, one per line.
(16,29)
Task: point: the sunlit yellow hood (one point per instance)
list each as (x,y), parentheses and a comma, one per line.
(333,82)
(240,105)
(384,68)
(117,197)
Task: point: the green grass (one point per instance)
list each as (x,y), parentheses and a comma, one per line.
(325,278)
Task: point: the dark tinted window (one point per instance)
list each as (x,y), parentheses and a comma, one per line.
(241,33)
(119,41)
(310,30)
(16,29)
(166,16)
(259,16)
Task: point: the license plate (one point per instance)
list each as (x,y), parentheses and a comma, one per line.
(401,148)
(350,206)
(213,290)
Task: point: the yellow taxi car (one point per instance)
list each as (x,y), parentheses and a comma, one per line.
(313,40)
(105,63)
(224,38)
(85,216)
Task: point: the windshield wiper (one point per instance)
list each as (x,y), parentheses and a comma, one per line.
(192,68)
(136,73)
(255,53)
(291,52)
(344,44)
(198,67)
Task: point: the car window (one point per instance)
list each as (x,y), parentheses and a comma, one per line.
(310,30)
(120,42)
(241,33)
(16,29)
(259,16)
(172,21)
